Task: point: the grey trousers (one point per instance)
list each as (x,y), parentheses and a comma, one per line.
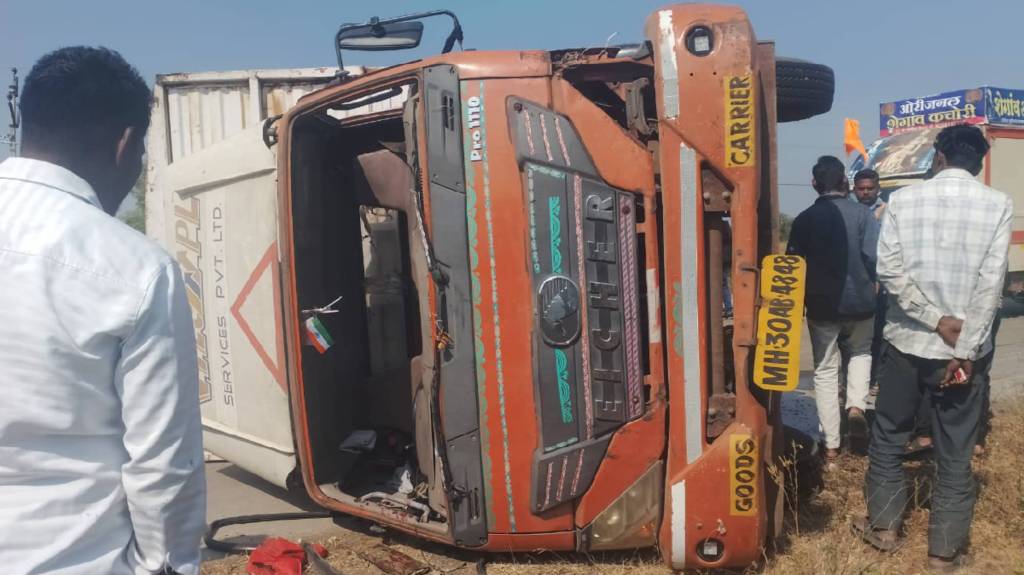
(923,428)
(956,416)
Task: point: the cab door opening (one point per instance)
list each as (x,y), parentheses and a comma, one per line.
(358,245)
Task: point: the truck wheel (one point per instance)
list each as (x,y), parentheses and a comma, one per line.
(803,89)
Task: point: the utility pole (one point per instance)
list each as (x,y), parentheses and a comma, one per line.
(12,106)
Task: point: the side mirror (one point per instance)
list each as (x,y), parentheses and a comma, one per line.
(380,36)
(392,34)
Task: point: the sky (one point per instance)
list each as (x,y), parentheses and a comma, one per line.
(880,50)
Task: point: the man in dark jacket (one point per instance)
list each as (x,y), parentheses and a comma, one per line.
(838,238)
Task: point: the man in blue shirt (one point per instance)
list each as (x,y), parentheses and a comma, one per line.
(868,191)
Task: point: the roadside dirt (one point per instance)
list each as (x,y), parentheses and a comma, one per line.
(818,539)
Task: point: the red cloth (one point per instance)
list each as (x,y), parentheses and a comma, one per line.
(276,556)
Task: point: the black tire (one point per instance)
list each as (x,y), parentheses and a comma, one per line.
(803,89)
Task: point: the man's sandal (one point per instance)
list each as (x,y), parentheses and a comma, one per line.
(831,457)
(858,431)
(873,536)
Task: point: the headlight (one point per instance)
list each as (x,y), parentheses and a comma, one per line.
(631,521)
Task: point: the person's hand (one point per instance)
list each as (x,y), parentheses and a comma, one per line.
(949,329)
(949,379)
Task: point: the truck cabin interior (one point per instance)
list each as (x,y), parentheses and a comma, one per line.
(357,237)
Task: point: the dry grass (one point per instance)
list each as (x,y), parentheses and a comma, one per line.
(818,539)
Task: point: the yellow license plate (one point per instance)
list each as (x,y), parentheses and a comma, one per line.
(779,323)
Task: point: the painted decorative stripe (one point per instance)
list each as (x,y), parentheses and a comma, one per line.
(532,169)
(480,352)
(677,318)
(544,134)
(547,486)
(529,130)
(561,478)
(532,200)
(564,393)
(689,256)
(667,58)
(679,525)
(499,367)
(577,186)
(561,142)
(561,444)
(576,477)
(547,170)
(653,307)
(628,255)
(555,219)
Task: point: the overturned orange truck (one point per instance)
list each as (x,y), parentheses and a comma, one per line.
(494,286)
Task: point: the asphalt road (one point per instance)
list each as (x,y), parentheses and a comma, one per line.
(1008,366)
(232,491)
(1007,369)
(1007,373)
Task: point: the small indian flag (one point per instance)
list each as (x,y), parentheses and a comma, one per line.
(318,335)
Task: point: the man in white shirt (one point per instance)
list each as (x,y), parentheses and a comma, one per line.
(942,257)
(101,462)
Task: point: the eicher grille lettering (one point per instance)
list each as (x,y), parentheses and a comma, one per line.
(604,313)
(739,121)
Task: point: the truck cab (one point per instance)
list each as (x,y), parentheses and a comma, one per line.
(492,289)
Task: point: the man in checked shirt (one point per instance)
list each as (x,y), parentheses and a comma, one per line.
(942,256)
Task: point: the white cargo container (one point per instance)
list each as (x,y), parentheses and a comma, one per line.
(211,201)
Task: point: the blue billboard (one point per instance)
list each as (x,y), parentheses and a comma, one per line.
(1005,107)
(945,109)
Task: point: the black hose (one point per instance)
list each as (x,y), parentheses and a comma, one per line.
(226,547)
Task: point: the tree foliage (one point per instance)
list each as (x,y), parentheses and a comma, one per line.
(785,224)
(133,209)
